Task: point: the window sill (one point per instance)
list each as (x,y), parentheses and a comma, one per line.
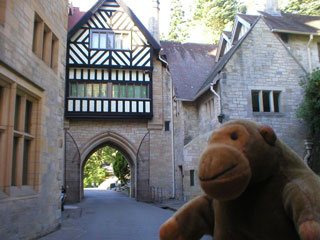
(3,195)
(43,62)
(22,191)
(110,49)
(23,134)
(268,114)
(17,193)
(2,128)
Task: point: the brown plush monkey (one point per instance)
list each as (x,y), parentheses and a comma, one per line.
(256,188)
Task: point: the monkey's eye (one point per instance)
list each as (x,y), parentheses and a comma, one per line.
(234,136)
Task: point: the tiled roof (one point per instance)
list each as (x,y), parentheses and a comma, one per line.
(294,23)
(74,17)
(189,65)
(248,18)
(228,34)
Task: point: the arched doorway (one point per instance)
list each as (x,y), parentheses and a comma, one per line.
(115,141)
(105,154)
(98,172)
(138,159)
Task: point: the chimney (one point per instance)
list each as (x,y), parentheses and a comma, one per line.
(153,23)
(271,7)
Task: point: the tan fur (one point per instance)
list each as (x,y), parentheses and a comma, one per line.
(256,188)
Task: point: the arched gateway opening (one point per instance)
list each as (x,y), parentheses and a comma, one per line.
(117,142)
(106,168)
(77,155)
(106,153)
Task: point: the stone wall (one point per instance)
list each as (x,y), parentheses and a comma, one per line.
(157,172)
(28,215)
(192,153)
(298,47)
(265,65)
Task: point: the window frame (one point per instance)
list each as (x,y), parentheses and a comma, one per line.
(318,46)
(26,179)
(192,178)
(134,91)
(114,33)
(266,107)
(45,44)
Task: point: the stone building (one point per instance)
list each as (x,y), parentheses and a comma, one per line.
(118,94)
(32,76)
(255,76)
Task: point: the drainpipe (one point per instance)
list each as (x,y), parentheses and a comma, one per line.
(309,53)
(172,131)
(221,115)
(308,144)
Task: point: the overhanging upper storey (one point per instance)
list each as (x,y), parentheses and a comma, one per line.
(109,64)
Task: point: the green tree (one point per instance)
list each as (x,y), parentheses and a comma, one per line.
(309,109)
(305,7)
(93,171)
(121,168)
(216,15)
(178,24)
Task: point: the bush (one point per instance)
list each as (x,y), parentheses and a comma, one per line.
(309,109)
(121,168)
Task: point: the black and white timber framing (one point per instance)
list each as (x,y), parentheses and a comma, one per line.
(94,74)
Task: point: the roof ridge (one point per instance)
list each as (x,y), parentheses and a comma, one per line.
(223,61)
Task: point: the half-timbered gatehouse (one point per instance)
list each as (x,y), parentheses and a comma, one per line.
(118,95)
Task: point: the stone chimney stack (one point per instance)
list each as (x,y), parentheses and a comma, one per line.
(271,7)
(153,24)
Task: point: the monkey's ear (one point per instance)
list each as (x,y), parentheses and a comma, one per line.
(268,134)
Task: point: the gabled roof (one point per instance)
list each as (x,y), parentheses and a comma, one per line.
(189,64)
(287,23)
(222,62)
(293,23)
(130,13)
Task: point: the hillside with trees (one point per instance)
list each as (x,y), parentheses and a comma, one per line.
(206,19)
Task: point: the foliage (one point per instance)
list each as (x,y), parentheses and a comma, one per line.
(305,7)
(121,167)
(178,23)
(309,109)
(93,170)
(216,15)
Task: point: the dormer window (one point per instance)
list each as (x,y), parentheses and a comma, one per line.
(110,40)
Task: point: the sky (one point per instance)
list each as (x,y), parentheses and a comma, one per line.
(139,8)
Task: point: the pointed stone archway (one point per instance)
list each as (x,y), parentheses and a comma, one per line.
(76,160)
(113,140)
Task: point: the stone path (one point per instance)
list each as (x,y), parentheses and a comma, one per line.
(106,214)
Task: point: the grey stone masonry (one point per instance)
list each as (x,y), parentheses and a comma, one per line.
(263,63)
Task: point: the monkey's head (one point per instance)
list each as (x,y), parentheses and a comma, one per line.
(239,152)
